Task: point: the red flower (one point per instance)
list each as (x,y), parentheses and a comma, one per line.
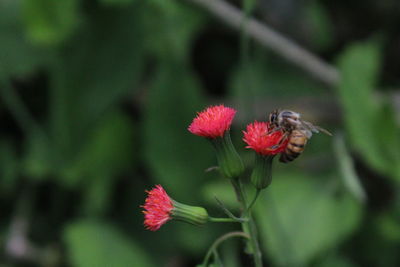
(212,122)
(158,207)
(257,139)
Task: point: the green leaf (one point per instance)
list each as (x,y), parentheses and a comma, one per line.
(346,167)
(95,244)
(222,190)
(301,217)
(116,2)
(8,166)
(335,261)
(109,149)
(18,56)
(177,158)
(267,77)
(370,123)
(388,138)
(176,25)
(229,253)
(389,227)
(203,235)
(92,74)
(320,25)
(39,160)
(107,153)
(359,65)
(50,22)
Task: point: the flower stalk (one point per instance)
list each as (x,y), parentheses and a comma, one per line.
(248,226)
(212,219)
(218,242)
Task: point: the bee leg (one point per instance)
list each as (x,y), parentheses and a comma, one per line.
(283,138)
(276,129)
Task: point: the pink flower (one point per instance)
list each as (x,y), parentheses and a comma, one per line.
(158,207)
(257,138)
(212,122)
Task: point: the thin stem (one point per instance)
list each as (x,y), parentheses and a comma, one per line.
(217,242)
(217,258)
(26,121)
(273,40)
(254,200)
(244,37)
(249,227)
(17,108)
(227,212)
(212,219)
(244,52)
(239,193)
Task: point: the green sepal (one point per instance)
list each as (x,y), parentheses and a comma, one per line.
(190,214)
(261,177)
(229,161)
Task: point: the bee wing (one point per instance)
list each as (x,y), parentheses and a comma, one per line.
(309,126)
(322,130)
(314,128)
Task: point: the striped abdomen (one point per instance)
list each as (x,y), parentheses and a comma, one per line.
(296,144)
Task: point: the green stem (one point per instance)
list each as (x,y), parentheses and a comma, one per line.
(25,120)
(249,226)
(212,219)
(17,108)
(230,214)
(217,242)
(254,200)
(247,7)
(217,258)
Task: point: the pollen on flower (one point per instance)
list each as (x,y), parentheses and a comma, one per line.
(257,138)
(157,208)
(212,122)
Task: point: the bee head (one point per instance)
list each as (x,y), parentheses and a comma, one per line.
(273,117)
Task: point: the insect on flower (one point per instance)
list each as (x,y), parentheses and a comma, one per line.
(295,130)
(263,139)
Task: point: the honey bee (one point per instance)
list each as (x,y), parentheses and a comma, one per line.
(295,130)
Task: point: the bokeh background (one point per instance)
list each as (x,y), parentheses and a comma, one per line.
(96,97)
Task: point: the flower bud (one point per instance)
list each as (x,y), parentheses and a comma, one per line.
(229,161)
(261,177)
(190,214)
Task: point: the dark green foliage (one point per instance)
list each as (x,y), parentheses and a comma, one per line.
(98,244)
(369,118)
(95,100)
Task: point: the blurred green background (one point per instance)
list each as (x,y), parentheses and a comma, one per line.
(96,97)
